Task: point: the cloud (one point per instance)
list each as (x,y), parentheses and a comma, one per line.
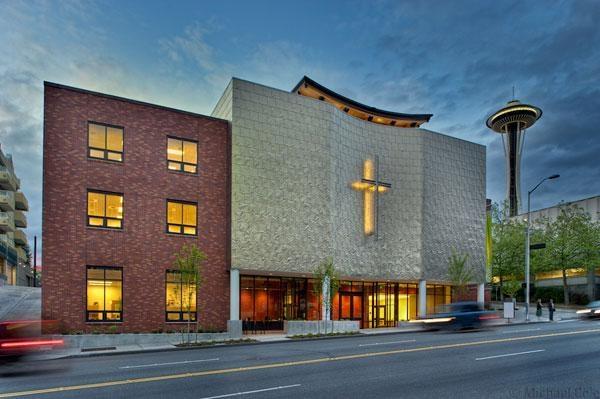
(191,45)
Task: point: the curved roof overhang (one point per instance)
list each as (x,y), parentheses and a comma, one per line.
(309,88)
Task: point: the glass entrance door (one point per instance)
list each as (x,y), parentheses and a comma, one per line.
(350,306)
(382,305)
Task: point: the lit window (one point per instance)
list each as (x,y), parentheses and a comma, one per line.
(104,293)
(180,296)
(181,218)
(182,155)
(105,210)
(105,142)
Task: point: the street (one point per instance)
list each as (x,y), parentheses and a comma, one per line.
(536,360)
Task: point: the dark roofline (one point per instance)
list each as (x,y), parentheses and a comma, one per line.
(129,100)
(368,109)
(561,204)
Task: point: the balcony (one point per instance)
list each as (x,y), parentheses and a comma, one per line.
(7,222)
(8,180)
(7,200)
(21,202)
(20,219)
(21,255)
(20,237)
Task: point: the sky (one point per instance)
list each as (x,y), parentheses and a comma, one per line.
(456,59)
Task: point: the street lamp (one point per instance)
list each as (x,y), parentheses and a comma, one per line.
(527,249)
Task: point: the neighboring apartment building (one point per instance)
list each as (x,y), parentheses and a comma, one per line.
(14,268)
(126,184)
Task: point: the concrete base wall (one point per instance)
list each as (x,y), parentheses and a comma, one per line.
(302,327)
(234,331)
(110,340)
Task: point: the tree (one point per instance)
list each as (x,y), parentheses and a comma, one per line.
(459,273)
(508,242)
(327,285)
(189,261)
(511,288)
(571,242)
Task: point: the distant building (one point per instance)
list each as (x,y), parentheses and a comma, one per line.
(577,278)
(14,268)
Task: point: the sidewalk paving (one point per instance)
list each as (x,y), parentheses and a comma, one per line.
(559,315)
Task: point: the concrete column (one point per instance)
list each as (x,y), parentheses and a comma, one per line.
(234,294)
(422,298)
(481,294)
(325,297)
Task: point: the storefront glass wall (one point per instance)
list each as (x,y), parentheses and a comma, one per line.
(265,302)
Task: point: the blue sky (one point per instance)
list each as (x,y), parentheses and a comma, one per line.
(457,60)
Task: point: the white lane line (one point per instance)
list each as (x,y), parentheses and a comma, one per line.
(510,354)
(388,343)
(169,364)
(567,321)
(251,392)
(517,331)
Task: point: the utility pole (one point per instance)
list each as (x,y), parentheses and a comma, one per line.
(34,260)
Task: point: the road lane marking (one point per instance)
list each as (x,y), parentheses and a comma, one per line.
(567,321)
(251,392)
(517,331)
(388,343)
(287,364)
(510,354)
(169,364)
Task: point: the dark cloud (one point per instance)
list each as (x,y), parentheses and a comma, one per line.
(460,60)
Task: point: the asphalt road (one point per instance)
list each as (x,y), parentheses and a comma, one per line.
(558,360)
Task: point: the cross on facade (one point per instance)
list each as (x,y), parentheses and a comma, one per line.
(371,186)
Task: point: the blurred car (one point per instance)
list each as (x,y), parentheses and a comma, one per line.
(23,339)
(460,316)
(591,311)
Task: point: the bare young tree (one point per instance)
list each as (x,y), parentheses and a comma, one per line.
(189,261)
(327,285)
(459,273)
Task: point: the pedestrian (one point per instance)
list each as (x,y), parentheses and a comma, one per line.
(538,311)
(551,309)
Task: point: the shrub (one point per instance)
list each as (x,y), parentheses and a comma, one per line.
(546,293)
(579,299)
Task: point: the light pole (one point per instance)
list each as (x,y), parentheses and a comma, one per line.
(527,244)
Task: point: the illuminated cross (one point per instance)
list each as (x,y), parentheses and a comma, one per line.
(371,186)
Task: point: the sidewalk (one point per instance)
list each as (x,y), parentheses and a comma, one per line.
(559,315)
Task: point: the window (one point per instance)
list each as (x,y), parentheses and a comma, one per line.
(105,142)
(105,210)
(181,217)
(104,293)
(182,155)
(180,296)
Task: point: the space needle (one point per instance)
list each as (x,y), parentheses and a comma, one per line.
(511,122)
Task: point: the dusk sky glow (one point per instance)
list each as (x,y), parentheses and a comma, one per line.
(457,60)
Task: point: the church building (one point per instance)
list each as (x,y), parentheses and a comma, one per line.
(318,175)
(269,186)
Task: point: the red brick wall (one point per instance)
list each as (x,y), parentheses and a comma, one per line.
(143,249)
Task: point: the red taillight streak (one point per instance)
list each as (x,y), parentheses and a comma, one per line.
(26,344)
(488,317)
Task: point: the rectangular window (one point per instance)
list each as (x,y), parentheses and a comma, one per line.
(104,293)
(180,296)
(181,217)
(105,142)
(182,155)
(105,210)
